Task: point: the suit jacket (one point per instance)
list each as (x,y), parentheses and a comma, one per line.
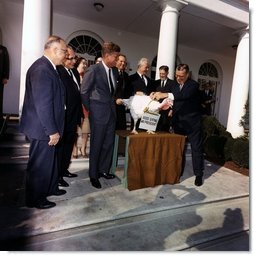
(73,100)
(96,95)
(187,103)
(137,84)
(44,103)
(123,89)
(167,86)
(77,76)
(4,63)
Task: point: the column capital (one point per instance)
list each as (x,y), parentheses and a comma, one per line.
(241,32)
(170,5)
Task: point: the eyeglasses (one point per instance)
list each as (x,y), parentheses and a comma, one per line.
(63,50)
(72,58)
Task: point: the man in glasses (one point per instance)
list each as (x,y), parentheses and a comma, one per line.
(186,118)
(42,121)
(73,114)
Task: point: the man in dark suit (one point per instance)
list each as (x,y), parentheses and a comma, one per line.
(140,83)
(122,92)
(207,99)
(97,93)
(164,84)
(73,114)
(186,118)
(4,76)
(42,121)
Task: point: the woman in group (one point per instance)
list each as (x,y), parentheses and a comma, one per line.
(84,130)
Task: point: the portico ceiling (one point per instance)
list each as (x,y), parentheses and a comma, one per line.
(198,27)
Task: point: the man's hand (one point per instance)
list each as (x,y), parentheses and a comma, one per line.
(119,101)
(152,95)
(163,95)
(54,139)
(160,95)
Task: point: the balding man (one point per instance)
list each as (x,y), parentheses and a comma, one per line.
(42,121)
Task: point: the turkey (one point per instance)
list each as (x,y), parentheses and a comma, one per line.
(139,104)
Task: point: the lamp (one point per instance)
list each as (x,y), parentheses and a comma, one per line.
(98,7)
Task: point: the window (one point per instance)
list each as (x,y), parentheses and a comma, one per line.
(86,46)
(208,73)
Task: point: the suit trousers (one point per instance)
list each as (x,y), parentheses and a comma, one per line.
(194,134)
(101,146)
(64,151)
(42,173)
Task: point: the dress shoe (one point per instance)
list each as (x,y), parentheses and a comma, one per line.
(95,182)
(62,183)
(59,192)
(106,175)
(199,181)
(69,175)
(44,204)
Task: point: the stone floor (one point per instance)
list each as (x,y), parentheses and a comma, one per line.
(180,217)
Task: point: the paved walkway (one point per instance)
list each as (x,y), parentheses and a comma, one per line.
(213,217)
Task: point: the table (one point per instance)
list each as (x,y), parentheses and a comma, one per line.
(150,159)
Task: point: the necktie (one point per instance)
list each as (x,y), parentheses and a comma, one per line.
(110,82)
(181,87)
(70,73)
(143,79)
(73,78)
(162,84)
(121,79)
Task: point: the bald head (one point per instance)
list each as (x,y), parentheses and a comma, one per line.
(55,49)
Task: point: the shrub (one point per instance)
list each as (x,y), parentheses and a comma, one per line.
(244,122)
(220,146)
(228,148)
(240,152)
(211,126)
(214,147)
(215,137)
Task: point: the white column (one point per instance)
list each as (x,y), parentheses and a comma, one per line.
(240,87)
(168,35)
(36,29)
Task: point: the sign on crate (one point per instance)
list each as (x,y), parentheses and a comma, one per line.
(149,121)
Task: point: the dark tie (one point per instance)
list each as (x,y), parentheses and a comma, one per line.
(70,73)
(72,77)
(121,79)
(162,84)
(143,79)
(110,82)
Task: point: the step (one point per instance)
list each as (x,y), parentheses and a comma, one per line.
(182,228)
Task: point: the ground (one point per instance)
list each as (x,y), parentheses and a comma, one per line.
(233,166)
